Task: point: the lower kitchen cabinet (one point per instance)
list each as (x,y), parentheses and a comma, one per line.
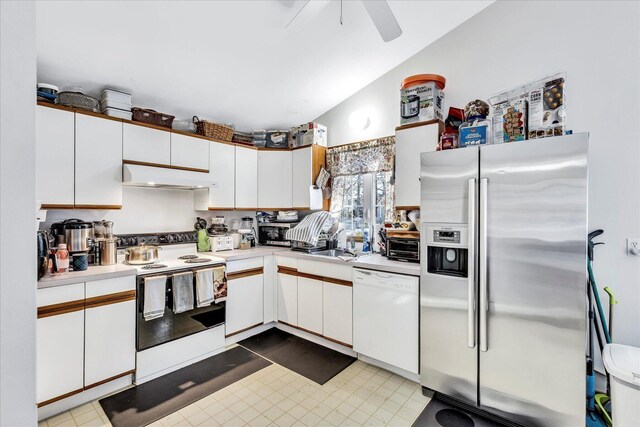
(310,304)
(110,330)
(245,302)
(85,336)
(337,312)
(288,299)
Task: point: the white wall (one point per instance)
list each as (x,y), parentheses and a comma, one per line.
(17,214)
(598,45)
(147,210)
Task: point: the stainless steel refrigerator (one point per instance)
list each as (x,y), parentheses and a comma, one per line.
(503,278)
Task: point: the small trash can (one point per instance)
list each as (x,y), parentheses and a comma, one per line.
(623,365)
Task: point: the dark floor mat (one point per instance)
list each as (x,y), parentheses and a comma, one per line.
(148,402)
(440,414)
(308,359)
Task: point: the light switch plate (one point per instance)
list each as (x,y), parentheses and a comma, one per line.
(633,246)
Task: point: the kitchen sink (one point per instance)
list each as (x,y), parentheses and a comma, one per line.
(334,253)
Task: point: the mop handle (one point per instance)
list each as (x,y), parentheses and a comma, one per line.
(612,301)
(598,304)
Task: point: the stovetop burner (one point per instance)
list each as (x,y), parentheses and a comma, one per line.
(197,260)
(188,257)
(154,266)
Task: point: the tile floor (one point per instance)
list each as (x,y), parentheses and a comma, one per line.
(362,394)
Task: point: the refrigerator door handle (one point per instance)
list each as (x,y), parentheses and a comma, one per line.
(484,297)
(471,309)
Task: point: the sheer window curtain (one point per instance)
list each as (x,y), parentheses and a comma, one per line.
(347,162)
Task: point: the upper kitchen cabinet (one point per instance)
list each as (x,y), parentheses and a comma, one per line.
(275,179)
(411,141)
(98,163)
(307,163)
(146,145)
(189,152)
(222,170)
(246,176)
(55,157)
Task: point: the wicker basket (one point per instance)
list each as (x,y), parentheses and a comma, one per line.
(78,100)
(152,117)
(213,130)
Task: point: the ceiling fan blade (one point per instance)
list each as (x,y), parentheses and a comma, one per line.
(307,13)
(383,18)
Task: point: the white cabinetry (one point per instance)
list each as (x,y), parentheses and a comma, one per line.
(246,169)
(274,179)
(222,170)
(55,157)
(410,143)
(310,304)
(337,312)
(245,302)
(98,162)
(110,329)
(146,145)
(189,152)
(60,342)
(307,163)
(287,298)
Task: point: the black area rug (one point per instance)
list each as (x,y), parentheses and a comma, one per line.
(308,359)
(440,414)
(148,402)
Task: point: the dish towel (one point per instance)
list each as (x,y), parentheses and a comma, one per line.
(182,292)
(204,287)
(219,284)
(154,297)
(309,229)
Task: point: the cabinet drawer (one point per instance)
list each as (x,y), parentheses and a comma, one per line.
(244,264)
(110,286)
(189,152)
(147,145)
(319,268)
(287,262)
(60,294)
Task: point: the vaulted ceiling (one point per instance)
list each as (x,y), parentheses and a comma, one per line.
(231,61)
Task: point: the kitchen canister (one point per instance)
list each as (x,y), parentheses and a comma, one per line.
(80,261)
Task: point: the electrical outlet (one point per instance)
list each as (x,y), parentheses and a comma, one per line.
(633,247)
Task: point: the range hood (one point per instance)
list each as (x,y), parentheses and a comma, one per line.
(157,177)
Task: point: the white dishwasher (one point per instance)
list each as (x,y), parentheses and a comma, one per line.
(385,317)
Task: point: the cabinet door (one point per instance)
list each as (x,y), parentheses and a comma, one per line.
(302,178)
(288,299)
(145,144)
(246,178)
(98,177)
(55,156)
(409,144)
(110,329)
(310,304)
(274,180)
(189,152)
(222,167)
(337,312)
(59,342)
(245,303)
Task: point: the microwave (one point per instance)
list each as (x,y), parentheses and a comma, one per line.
(273,233)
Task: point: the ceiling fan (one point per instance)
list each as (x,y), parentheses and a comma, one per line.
(378,10)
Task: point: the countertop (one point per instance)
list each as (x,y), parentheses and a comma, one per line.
(97,272)
(372,262)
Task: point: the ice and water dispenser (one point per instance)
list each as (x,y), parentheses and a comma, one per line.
(447,249)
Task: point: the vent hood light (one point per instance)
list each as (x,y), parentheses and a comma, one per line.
(155,177)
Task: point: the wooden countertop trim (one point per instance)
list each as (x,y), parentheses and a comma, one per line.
(417,124)
(110,299)
(288,270)
(245,273)
(60,308)
(97,206)
(338,281)
(160,165)
(310,276)
(220,209)
(56,206)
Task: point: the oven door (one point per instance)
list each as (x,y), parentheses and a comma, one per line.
(171,326)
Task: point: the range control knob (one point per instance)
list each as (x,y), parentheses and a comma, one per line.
(170,238)
(180,237)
